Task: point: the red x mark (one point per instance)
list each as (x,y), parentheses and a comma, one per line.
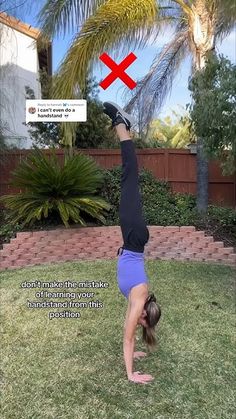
(118,70)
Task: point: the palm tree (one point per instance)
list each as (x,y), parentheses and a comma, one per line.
(170,132)
(104,25)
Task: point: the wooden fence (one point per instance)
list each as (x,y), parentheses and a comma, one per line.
(176,166)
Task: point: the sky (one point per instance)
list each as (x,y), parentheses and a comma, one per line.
(179,95)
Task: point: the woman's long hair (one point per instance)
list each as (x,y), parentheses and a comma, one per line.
(153,315)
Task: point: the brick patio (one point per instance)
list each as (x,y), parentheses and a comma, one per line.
(88,243)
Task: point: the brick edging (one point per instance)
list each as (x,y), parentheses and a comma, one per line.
(88,243)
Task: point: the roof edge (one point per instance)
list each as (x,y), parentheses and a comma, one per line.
(19,26)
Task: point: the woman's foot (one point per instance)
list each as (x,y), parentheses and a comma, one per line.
(118,115)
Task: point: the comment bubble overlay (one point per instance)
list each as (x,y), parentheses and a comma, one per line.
(50,110)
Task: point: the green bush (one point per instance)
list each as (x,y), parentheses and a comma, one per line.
(220,222)
(110,191)
(225,216)
(158,201)
(160,205)
(186,208)
(8,230)
(48,189)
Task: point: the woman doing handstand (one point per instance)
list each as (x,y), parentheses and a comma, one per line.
(132,279)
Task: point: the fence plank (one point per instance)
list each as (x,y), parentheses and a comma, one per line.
(177,166)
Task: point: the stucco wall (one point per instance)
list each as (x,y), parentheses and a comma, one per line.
(19,67)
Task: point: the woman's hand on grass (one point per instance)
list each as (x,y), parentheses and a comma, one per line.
(136,377)
(139,354)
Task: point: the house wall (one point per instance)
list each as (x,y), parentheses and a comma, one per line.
(19,66)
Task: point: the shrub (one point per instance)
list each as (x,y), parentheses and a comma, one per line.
(221,221)
(160,205)
(48,189)
(225,216)
(158,201)
(7,228)
(186,208)
(110,191)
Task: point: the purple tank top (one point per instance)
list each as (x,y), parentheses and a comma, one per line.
(130,271)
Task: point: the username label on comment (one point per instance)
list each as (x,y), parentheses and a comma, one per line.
(50,110)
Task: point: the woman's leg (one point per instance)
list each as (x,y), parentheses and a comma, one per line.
(133,226)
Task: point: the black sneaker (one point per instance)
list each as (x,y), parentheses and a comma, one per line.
(118,115)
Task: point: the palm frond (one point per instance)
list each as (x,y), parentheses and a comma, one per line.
(47,188)
(62,16)
(226,18)
(225,7)
(184,6)
(127,21)
(154,87)
(224,29)
(170,17)
(92,205)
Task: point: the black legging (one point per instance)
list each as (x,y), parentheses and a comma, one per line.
(134,230)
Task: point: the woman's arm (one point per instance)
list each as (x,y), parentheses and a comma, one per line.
(131,322)
(133,313)
(128,349)
(139,354)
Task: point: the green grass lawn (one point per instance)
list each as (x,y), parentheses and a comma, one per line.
(73,368)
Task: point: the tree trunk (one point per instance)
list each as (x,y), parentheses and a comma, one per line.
(68,153)
(202,179)
(202,24)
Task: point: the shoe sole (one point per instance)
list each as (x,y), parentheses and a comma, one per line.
(123,113)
